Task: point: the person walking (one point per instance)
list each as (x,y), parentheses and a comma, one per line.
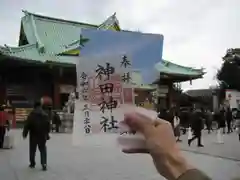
(197,126)
(3,123)
(38,127)
(222,120)
(56,121)
(238,123)
(184,120)
(229,118)
(176,124)
(170,116)
(163,113)
(209,119)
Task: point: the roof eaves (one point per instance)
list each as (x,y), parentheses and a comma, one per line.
(58,19)
(19,58)
(184,67)
(182,75)
(145,87)
(168,67)
(8,50)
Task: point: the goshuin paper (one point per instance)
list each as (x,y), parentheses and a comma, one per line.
(105,90)
(105,94)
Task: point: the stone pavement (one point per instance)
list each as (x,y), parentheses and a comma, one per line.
(229,150)
(102,162)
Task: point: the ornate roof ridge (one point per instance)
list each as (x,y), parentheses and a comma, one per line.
(12,49)
(61,20)
(111,20)
(181,66)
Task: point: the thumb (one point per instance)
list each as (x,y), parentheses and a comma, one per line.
(140,123)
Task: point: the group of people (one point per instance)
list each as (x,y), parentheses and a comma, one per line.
(197,119)
(183,120)
(225,117)
(158,134)
(167,156)
(41,120)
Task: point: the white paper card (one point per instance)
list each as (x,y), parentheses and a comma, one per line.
(105,89)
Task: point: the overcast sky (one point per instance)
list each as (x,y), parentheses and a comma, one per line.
(196,33)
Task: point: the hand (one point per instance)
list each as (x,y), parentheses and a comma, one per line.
(160,143)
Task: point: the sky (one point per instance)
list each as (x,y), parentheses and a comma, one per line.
(196,33)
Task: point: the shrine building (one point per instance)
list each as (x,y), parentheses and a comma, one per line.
(44,64)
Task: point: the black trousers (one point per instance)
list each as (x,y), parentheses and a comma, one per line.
(229,126)
(57,128)
(198,136)
(41,144)
(2,135)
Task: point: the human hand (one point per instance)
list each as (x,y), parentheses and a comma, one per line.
(160,143)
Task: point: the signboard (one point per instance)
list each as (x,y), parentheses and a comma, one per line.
(22,113)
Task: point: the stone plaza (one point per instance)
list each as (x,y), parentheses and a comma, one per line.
(105,161)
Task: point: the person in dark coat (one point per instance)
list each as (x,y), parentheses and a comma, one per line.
(170,117)
(184,120)
(56,121)
(229,118)
(222,120)
(38,127)
(197,126)
(163,114)
(209,119)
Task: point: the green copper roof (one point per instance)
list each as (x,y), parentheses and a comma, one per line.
(170,68)
(54,35)
(31,52)
(48,37)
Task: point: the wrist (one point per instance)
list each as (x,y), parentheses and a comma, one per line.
(176,165)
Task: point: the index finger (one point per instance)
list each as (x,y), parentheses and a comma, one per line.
(160,121)
(140,123)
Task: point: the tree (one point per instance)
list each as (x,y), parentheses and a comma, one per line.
(229,74)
